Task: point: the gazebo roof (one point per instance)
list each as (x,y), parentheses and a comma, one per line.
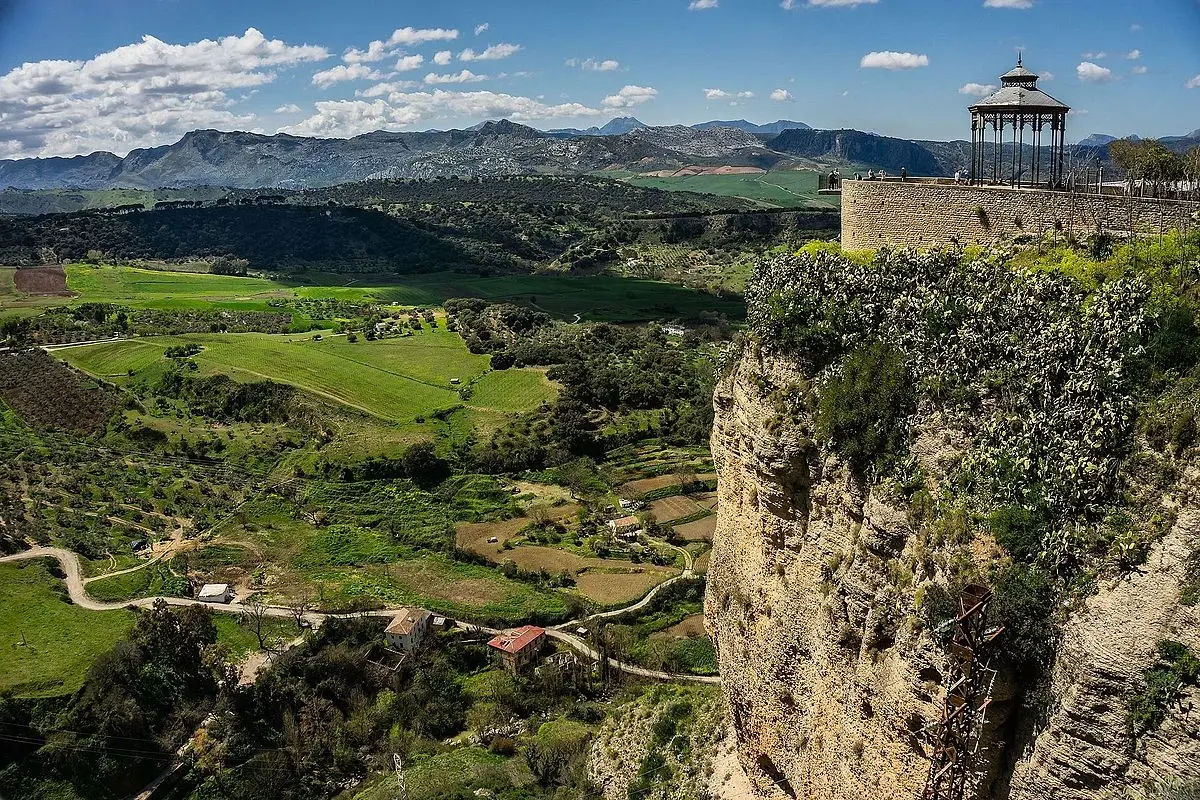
(1020,93)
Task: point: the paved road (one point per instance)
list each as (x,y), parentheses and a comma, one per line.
(76,588)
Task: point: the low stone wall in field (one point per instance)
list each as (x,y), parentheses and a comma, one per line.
(925,214)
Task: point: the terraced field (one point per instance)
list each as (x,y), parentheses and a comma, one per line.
(394,379)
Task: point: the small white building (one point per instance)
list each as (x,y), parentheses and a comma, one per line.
(407,629)
(625,525)
(215,593)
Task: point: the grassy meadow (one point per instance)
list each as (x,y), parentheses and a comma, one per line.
(782,189)
(598,298)
(61,639)
(396,379)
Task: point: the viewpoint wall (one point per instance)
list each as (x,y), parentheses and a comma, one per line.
(925,215)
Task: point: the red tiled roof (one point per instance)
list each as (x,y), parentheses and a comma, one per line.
(515,641)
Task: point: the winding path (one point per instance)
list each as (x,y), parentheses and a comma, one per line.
(77,590)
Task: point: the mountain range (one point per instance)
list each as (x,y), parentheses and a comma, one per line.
(252,161)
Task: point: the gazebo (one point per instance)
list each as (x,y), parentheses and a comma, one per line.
(1019,104)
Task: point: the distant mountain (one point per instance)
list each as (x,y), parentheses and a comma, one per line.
(770,129)
(615,127)
(251,161)
(856,147)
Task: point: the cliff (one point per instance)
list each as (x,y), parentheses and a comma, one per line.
(818,600)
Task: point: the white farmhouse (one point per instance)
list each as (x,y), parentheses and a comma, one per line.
(407,629)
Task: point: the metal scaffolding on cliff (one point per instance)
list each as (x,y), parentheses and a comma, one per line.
(969,679)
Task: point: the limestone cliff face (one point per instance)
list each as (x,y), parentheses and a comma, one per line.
(829,679)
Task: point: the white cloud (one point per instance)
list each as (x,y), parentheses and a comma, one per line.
(977,89)
(466,76)
(413,36)
(782,96)
(481,27)
(138,95)
(721,94)
(1046,76)
(1140,69)
(340,73)
(406,63)
(1093,73)
(1095,56)
(1133,55)
(443,57)
(594,64)
(1008,3)
(494,52)
(891,60)
(376,51)
(631,96)
(701,5)
(290,108)
(385,89)
(399,110)
(1194,83)
(1135,27)
(790,4)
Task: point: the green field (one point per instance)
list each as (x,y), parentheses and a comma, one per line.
(393,379)
(782,189)
(599,298)
(61,640)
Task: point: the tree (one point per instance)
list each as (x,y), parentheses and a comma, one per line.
(300,604)
(256,617)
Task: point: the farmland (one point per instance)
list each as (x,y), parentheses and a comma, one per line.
(599,298)
(783,189)
(395,379)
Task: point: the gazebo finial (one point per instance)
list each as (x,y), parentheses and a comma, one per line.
(1019,56)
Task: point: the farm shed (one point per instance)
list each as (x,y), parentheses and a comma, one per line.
(215,593)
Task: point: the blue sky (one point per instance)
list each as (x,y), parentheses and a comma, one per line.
(84,75)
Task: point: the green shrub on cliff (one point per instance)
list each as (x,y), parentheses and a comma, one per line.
(863,407)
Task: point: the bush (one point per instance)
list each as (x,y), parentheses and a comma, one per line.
(1023,603)
(1164,681)
(863,409)
(1019,530)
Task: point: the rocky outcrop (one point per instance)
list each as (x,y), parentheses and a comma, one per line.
(829,676)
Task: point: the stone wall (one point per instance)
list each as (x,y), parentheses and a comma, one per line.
(925,214)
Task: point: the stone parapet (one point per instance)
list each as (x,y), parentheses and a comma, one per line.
(925,214)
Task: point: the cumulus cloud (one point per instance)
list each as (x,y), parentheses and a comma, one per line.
(977,89)
(701,5)
(481,27)
(466,76)
(721,94)
(1140,69)
(354,72)
(414,36)
(1046,76)
(594,64)
(406,63)
(1194,83)
(494,52)
(395,110)
(1008,3)
(1133,55)
(443,57)
(782,96)
(1095,56)
(376,51)
(138,95)
(630,96)
(1093,73)
(290,108)
(888,59)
